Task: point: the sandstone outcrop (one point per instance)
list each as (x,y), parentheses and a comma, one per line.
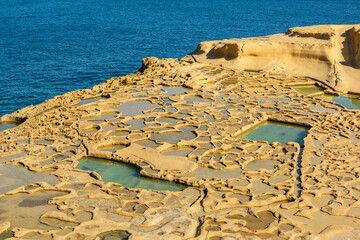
(328,53)
(180,120)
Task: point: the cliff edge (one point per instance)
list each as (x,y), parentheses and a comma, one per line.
(327,53)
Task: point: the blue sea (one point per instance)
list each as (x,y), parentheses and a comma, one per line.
(49,47)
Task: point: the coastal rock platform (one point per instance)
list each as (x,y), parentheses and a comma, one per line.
(183,120)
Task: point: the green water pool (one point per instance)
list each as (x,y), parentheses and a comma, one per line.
(349,101)
(308,89)
(273,131)
(125,174)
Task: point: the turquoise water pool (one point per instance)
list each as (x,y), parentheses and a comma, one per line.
(272,131)
(125,174)
(349,101)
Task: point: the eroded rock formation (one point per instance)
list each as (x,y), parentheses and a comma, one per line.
(179,120)
(328,53)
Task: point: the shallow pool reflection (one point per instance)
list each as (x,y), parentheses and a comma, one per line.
(125,174)
(273,131)
(308,89)
(4,126)
(87,101)
(349,101)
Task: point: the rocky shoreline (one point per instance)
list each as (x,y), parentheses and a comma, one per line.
(180,120)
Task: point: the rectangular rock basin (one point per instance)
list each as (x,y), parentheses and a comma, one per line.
(125,174)
(273,131)
(4,126)
(349,101)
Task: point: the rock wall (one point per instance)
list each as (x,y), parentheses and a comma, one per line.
(314,52)
(354,37)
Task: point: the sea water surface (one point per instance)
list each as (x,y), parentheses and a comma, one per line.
(49,47)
